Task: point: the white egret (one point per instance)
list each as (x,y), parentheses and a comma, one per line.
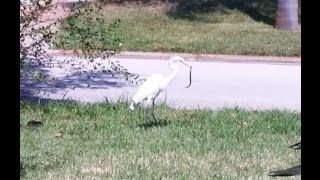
(157,83)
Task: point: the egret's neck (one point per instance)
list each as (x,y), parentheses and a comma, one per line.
(172,74)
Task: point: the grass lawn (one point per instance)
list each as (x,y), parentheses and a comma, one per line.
(220,27)
(104,141)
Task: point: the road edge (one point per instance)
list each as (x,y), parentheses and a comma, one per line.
(195,57)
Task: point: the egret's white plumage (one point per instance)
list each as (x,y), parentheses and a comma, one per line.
(157,83)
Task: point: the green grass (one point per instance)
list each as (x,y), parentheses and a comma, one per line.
(104,141)
(224,27)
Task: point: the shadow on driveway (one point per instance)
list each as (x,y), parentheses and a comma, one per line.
(31,89)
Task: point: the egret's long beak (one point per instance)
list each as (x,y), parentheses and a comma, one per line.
(190,81)
(184,63)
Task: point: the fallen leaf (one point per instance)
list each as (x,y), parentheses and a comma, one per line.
(33,123)
(58,134)
(242,123)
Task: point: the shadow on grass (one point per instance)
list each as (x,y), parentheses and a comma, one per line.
(29,165)
(45,101)
(68,5)
(259,10)
(22,171)
(158,123)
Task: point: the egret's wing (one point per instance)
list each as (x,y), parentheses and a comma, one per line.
(293,171)
(296,146)
(149,87)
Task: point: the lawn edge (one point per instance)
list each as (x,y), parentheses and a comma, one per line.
(194,57)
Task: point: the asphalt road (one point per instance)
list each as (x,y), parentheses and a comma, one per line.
(215,84)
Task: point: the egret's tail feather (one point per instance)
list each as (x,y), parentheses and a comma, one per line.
(132,106)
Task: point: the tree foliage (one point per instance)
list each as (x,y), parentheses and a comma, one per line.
(36,37)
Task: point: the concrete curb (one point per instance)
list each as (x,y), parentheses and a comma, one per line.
(196,57)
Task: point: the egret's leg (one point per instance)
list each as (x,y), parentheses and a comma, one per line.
(165,97)
(150,102)
(154,118)
(139,111)
(146,115)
